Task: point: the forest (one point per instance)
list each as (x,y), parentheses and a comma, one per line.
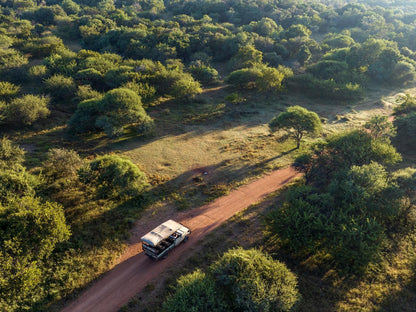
(115,112)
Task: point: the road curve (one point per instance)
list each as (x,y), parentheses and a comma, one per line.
(130,276)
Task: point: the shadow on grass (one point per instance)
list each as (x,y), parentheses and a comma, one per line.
(188,190)
(403,300)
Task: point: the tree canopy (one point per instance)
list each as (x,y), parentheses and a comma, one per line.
(297,121)
(241,280)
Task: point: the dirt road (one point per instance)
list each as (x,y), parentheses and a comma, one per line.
(134,271)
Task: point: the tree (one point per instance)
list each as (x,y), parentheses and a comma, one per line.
(253,281)
(297,121)
(348,221)
(114,177)
(29,231)
(272,78)
(340,152)
(117,109)
(241,280)
(16,183)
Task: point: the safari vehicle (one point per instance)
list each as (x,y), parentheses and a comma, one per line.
(157,243)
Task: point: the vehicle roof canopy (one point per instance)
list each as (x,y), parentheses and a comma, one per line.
(161,232)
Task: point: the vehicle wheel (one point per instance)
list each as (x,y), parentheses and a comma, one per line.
(165,255)
(185,239)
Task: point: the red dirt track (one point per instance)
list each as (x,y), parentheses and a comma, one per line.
(131,275)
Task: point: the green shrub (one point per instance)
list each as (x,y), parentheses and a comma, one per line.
(407,104)
(85,92)
(11,155)
(27,109)
(195,292)
(203,73)
(253,281)
(16,184)
(117,109)
(61,163)
(37,71)
(91,77)
(144,90)
(329,89)
(347,222)
(85,116)
(114,177)
(241,280)
(29,232)
(343,150)
(60,87)
(8,90)
(244,78)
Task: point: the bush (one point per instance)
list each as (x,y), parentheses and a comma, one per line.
(244,78)
(347,222)
(343,150)
(329,89)
(253,281)
(144,90)
(241,280)
(62,163)
(85,116)
(185,87)
(203,73)
(85,92)
(60,87)
(11,155)
(29,231)
(8,90)
(118,108)
(37,71)
(27,109)
(195,292)
(114,177)
(16,184)
(407,104)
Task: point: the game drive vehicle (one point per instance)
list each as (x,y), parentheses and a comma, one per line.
(168,235)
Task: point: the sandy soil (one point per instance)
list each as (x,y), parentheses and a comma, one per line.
(134,270)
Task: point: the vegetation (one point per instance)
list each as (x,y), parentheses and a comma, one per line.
(114,176)
(241,280)
(186,86)
(297,121)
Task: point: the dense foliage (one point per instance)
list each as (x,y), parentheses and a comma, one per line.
(241,280)
(115,67)
(114,176)
(297,121)
(348,204)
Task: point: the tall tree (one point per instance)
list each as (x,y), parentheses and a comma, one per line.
(297,121)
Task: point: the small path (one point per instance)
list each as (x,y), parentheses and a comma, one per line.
(134,270)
